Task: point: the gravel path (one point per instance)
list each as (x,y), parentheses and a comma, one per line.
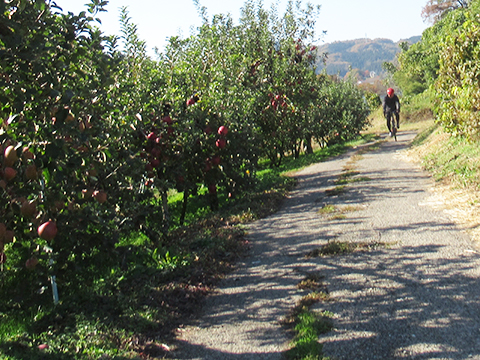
(414,297)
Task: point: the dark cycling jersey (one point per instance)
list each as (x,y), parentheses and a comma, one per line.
(391,104)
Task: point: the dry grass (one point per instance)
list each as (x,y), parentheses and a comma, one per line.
(312,281)
(334,212)
(336,248)
(338,190)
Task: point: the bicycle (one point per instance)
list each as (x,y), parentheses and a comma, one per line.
(393,123)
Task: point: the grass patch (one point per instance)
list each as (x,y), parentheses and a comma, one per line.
(312,282)
(308,326)
(336,248)
(348,178)
(333,248)
(336,191)
(327,209)
(337,212)
(338,217)
(454,160)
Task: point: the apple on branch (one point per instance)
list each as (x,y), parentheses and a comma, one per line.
(10,155)
(48,230)
(222,130)
(221,143)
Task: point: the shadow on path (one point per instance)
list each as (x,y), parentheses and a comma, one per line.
(416,297)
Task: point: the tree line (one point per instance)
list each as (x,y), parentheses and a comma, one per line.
(95,134)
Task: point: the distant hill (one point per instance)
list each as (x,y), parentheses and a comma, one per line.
(366,55)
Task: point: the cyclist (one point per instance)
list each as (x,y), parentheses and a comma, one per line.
(391,107)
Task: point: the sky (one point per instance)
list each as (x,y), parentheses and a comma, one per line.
(157,20)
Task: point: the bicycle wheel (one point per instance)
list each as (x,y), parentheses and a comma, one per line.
(393,127)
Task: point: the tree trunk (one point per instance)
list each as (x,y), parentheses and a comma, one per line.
(308,145)
(166,214)
(184,207)
(213,200)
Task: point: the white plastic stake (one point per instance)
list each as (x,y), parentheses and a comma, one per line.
(54,289)
(53,280)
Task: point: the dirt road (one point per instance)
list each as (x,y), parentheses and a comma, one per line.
(414,295)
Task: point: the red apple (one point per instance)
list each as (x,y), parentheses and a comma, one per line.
(208,130)
(168,120)
(221,143)
(222,130)
(47,230)
(31,263)
(9,173)
(100,196)
(10,155)
(191,101)
(155,163)
(87,193)
(152,136)
(3,230)
(31,172)
(28,209)
(216,160)
(27,154)
(3,184)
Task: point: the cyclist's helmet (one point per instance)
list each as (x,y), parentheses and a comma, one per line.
(390,91)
